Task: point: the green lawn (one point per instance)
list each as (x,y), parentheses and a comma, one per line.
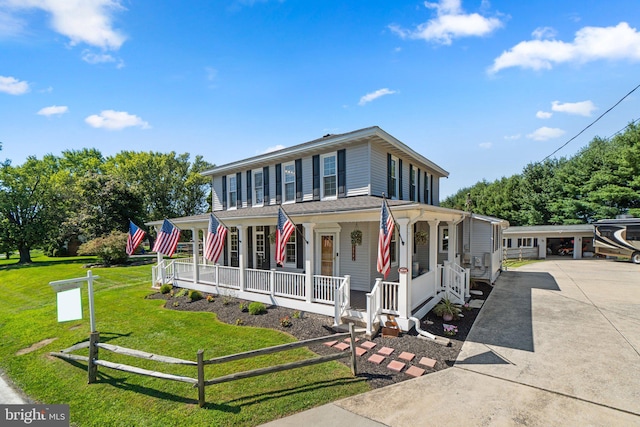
(124,317)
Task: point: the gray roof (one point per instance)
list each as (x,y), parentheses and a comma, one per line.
(549,229)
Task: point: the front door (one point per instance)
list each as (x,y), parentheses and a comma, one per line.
(327,255)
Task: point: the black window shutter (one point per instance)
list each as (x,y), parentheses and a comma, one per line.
(418,186)
(316,176)
(249,189)
(225,250)
(431,190)
(299,247)
(412,193)
(426,188)
(267,250)
(265,179)
(299,180)
(249,239)
(239,190)
(342,174)
(278,183)
(400,179)
(224,192)
(389,184)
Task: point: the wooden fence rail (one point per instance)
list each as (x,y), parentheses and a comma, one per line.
(200,382)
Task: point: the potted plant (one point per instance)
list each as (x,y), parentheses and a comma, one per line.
(356,237)
(447,310)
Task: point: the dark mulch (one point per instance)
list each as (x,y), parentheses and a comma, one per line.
(310,325)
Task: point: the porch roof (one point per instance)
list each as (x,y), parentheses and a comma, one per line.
(307,211)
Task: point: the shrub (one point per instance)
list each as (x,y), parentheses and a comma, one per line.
(297,315)
(244,307)
(109,250)
(166,288)
(285,321)
(239,322)
(257,308)
(182,292)
(175,304)
(210,298)
(195,295)
(445,306)
(226,300)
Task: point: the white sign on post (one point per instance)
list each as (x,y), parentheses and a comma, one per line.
(69,305)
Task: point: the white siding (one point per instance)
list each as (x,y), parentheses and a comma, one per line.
(378,171)
(307,179)
(358,269)
(436,190)
(358,170)
(216,193)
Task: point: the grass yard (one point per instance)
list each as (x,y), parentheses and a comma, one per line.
(125,318)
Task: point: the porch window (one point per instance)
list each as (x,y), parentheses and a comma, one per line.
(496,237)
(260,246)
(444,239)
(289,178)
(329,176)
(258,188)
(528,242)
(233,195)
(506,243)
(291,250)
(393,175)
(393,247)
(233,246)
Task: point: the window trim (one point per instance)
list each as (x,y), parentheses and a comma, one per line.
(254,187)
(413,187)
(323,176)
(441,239)
(284,182)
(232,189)
(394,176)
(293,245)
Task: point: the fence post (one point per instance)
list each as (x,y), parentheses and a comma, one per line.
(200,358)
(272,281)
(92,368)
(352,343)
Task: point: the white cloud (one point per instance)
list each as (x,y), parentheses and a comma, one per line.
(513,137)
(53,110)
(544,33)
(10,26)
(544,133)
(271,149)
(544,115)
(115,120)
(100,58)
(584,108)
(485,145)
(82,21)
(375,95)
(13,86)
(451,22)
(590,44)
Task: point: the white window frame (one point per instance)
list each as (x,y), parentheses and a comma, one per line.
(285,182)
(290,258)
(393,247)
(526,242)
(259,238)
(323,175)
(256,187)
(442,239)
(234,244)
(395,181)
(413,188)
(232,189)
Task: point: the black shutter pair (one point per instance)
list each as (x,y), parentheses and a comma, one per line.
(224,192)
(265,181)
(390,188)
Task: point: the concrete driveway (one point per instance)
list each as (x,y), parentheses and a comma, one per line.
(557,343)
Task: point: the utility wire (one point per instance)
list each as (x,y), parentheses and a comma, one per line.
(620,131)
(592,123)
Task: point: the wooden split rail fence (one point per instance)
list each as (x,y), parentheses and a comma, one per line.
(200,382)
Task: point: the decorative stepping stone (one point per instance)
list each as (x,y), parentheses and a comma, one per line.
(376,358)
(406,356)
(348,340)
(342,346)
(360,351)
(368,345)
(414,371)
(476,303)
(396,366)
(330,343)
(427,362)
(386,351)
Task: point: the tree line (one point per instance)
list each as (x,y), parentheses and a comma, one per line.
(601,181)
(46,202)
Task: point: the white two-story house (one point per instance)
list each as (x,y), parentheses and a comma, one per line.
(332,189)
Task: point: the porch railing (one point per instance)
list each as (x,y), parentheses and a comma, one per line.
(456,282)
(324,288)
(162,272)
(342,299)
(290,285)
(383,299)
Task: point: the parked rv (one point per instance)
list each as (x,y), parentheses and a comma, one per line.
(618,237)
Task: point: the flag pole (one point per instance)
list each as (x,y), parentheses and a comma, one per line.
(384,200)
(218,219)
(297,231)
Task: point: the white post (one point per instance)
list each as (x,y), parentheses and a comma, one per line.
(92,313)
(433,253)
(196,244)
(161,264)
(241,255)
(577,247)
(309,255)
(404,280)
(453,240)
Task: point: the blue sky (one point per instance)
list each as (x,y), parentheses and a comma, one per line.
(481,88)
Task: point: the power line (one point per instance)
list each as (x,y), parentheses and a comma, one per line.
(592,123)
(626,126)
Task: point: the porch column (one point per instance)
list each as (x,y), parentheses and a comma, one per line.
(404,279)
(433,244)
(309,255)
(453,240)
(577,247)
(196,242)
(241,255)
(160,259)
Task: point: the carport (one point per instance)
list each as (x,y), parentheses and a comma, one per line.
(548,241)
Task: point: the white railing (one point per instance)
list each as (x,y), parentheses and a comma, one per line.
(229,276)
(257,280)
(289,284)
(455,282)
(188,260)
(374,305)
(389,297)
(324,288)
(343,299)
(422,288)
(208,274)
(162,272)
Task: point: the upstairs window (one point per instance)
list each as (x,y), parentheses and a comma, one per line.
(233,195)
(289,179)
(329,176)
(258,188)
(412,183)
(393,175)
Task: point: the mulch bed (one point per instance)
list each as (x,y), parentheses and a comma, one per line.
(310,325)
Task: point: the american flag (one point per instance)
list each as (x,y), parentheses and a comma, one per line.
(136,235)
(167,240)
(215,239)
(285,228)
(384,240)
